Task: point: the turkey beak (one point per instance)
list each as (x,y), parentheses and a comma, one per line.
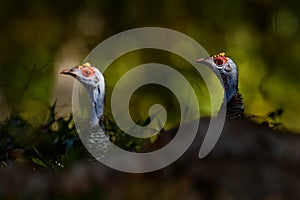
(207,61)
(71,72)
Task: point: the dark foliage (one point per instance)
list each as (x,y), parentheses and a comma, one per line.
(53,144)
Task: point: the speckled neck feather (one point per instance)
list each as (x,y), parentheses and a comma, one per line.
(235,107)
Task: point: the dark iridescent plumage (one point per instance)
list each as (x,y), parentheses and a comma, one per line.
(229,74)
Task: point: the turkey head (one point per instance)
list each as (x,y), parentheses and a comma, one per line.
(93,81)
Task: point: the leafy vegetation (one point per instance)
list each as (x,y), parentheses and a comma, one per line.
(55,143)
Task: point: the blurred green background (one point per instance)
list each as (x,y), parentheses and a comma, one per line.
(39,38)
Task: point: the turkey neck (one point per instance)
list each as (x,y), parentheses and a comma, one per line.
(230,85)
(96,94)
(235,107)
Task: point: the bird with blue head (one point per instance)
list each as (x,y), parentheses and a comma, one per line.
(228,71)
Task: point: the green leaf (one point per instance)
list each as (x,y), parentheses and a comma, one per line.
(39,162)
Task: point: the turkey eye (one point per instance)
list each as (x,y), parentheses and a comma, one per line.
(219,61)
(86,72)
(228,68)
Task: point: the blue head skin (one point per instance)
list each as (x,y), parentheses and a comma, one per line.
(93,81)
(228,71)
